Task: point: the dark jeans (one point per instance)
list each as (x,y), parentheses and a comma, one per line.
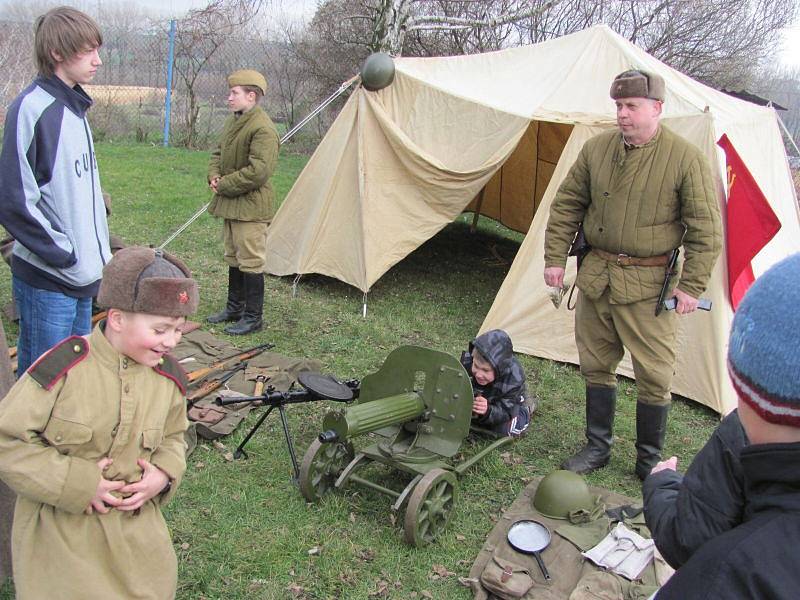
(46,318)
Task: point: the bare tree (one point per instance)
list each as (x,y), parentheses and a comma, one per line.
(16,59)
(288,76)
(720,42)
(199,38)
(781,85)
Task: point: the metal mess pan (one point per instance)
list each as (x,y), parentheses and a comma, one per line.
(530,537)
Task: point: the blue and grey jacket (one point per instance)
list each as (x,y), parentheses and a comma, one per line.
(50,197)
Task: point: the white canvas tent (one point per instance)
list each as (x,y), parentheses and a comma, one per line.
(399,164)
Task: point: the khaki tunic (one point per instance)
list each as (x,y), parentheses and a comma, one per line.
(50,442)
(642,201)
(637,202)
(245,160)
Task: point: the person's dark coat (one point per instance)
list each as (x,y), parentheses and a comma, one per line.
(757,559)
(507,392)
(685,511)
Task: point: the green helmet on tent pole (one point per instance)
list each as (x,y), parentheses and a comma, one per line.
(377,72)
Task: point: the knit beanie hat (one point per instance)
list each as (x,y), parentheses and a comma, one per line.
(763,353)
(248,77)
(144,280)
(638,84)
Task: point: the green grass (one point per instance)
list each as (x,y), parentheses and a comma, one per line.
(241,529)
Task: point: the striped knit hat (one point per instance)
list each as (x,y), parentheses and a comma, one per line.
(763,354)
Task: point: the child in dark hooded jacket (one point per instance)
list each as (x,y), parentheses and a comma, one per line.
(501,403)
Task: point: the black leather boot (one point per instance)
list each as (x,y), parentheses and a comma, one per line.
(651,430)
(235,307)
(253,306)
(601,404)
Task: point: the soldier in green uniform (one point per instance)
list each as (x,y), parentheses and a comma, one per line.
(238,173)
(92,442)
(640,192)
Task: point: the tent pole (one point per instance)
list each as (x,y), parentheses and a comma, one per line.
(786,131)
(474,226)
(364,306)
(295,284)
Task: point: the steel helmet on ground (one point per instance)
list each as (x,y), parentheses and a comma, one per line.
(560,493)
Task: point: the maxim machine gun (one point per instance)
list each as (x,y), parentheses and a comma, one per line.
(417,408)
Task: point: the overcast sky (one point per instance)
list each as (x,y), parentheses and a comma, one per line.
(790,54)
(304,9)
(299,8)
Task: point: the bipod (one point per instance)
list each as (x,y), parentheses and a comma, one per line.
(315,387)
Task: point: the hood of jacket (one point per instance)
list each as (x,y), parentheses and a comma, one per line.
(496,347)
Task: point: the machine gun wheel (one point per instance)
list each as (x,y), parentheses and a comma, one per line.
(322,464)
(430,507)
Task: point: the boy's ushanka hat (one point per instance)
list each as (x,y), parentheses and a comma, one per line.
(144,280)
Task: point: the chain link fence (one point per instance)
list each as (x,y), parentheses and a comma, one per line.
(130,89)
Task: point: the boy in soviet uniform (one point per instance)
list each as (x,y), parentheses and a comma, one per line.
(640,192)
(92,442)
(239,172)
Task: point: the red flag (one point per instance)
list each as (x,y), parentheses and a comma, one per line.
(751,222)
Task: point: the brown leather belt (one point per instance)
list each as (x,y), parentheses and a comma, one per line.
(632,261)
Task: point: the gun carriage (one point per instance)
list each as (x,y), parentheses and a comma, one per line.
(416,409)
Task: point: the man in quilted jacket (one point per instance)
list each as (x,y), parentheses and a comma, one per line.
(640,192)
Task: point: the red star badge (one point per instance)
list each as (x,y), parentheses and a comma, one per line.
(183,297)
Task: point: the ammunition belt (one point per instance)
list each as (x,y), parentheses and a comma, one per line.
(632,261)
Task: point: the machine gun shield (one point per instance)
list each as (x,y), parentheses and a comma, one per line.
(441,382)
(325,386)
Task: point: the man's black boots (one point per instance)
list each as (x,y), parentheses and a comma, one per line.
(253,306)
(651,430)
(235,307)
(601,404)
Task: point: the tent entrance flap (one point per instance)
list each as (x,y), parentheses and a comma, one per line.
(514,193)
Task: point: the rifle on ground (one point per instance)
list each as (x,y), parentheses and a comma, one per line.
(242,356)
(315,387)
(213,384)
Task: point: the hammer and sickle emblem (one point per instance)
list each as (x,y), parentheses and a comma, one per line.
(731,179)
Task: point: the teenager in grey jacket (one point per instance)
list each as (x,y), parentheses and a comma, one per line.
(50,196)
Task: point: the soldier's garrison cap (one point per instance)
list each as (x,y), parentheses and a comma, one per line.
(638,84)
(144,280)
(248,77)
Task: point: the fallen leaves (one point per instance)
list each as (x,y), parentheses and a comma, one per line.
(511,459)
(440,572)
(366,555)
